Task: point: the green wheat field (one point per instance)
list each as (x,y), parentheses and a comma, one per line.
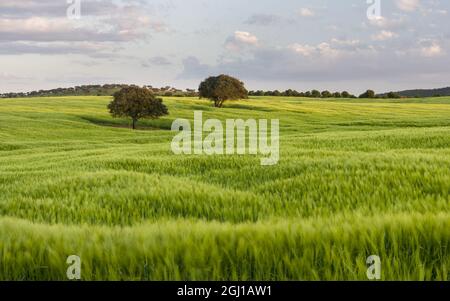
(355,178)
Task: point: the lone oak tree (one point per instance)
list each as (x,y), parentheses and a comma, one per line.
(222,88)
(137,103)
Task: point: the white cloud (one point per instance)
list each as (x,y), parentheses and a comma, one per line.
(305,50)
(323,50)
(432,50)
(119,28)
(346,42)
(385,23)
(91,49)
(408,5)
(306,12)
(32,26)
(240,40)
(335,48)
(328,51)
(384,35)
(245,37)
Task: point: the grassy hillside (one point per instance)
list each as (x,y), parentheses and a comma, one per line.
(425,92)
(355,178)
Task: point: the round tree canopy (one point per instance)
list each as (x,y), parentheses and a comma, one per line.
(137,103)
(222,88)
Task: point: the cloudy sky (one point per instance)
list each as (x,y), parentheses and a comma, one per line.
(270,44)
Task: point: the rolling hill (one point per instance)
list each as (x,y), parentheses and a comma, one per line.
(425,92)
(355,178)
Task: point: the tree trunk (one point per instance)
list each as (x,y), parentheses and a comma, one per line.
(134,123)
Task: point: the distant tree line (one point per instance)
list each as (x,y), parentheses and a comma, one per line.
(371,94)
(168,91)
(295,93)
(323,94)
(101,90)
(172,92)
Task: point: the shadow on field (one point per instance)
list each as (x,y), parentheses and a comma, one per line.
(143,125)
